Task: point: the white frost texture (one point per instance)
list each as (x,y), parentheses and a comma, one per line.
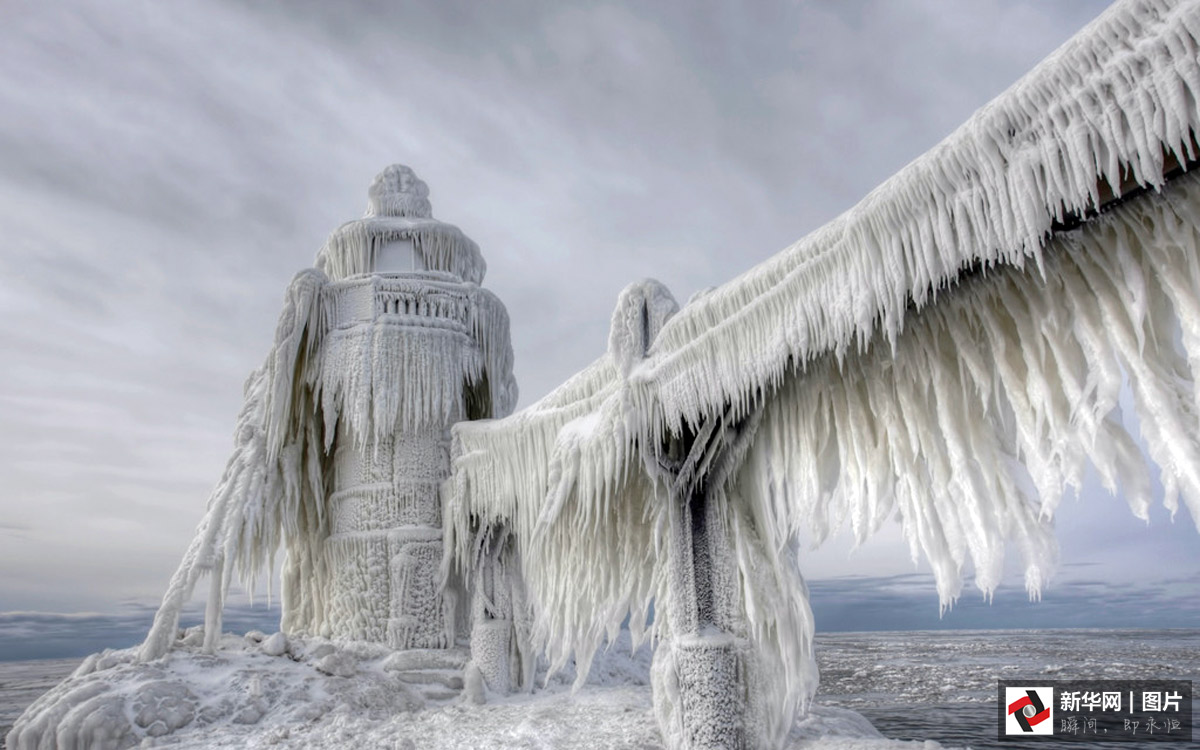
(341,445)
(942,345)
(325,694)
(948,353)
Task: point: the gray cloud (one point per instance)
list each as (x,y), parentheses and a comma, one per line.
(166,168)
(13,529)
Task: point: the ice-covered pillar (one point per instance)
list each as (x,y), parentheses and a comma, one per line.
(704,672)
(500,631)
(412,345)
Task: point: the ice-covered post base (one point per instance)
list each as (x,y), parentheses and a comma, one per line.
(712,691)
(499,644)
(490,645)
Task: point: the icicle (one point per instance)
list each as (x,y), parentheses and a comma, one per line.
(1009,381)
(352,249)
(1032,156)
(214,606)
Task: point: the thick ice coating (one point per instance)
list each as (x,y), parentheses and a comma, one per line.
(342,443)
(924,356)
(961,334)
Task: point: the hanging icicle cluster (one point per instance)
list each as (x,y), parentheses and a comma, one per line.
(398,209)
(379,379)
(505,477)
(354,247)
(374,354)
(271,489)
(1115,101)
(1011,380)
(907,360)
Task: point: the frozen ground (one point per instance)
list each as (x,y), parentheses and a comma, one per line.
(262,692)
(922,685)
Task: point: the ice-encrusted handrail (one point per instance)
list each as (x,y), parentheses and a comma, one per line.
(877,401)
(1121,95)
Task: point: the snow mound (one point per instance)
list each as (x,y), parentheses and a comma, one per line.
(113,701)
(329,694)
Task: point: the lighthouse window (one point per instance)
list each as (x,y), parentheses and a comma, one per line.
(399,256)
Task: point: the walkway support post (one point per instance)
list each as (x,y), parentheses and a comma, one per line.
(704,670)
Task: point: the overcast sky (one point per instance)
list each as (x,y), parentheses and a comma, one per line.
(165,168)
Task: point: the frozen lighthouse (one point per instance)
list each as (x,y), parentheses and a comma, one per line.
(344,440)
(404,354)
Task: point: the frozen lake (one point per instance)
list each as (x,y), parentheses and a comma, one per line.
(941,685)
(937,685)
(21,682)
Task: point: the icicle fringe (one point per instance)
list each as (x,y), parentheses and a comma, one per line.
(1011,381)
(375,355)
(1111,103)
(353,248)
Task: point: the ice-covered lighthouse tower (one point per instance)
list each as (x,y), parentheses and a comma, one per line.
(406,354)
(343,442)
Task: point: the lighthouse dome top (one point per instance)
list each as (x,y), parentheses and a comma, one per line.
(397,191)
(398,211)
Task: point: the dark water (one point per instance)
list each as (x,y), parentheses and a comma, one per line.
(938,685)
(22,682)
(941,685)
